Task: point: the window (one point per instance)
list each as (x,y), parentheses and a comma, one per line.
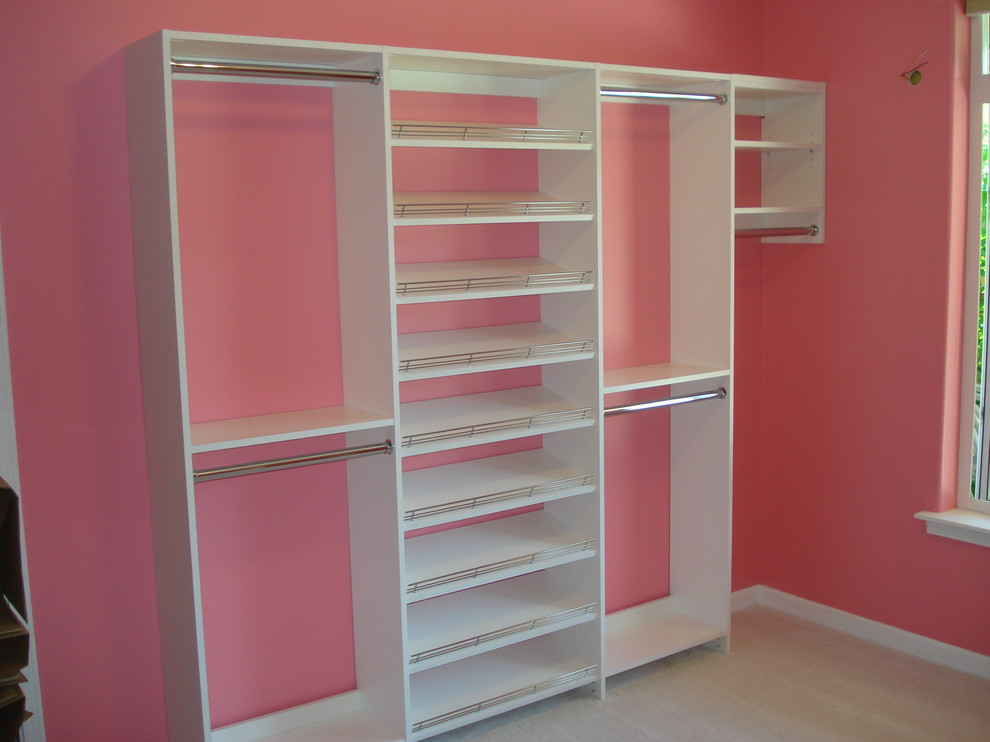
(977,495)
(970,521)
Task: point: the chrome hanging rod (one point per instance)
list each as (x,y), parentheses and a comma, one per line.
(262,69)
(257,467)
(810,231)
(672,95)
(719,393)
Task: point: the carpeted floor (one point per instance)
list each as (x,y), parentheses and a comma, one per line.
(786,680)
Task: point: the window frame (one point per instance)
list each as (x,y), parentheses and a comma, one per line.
(979,98)
(969,521)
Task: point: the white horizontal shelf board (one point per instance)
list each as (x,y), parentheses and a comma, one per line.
(335,718)
(488,676)
(467,279)
(462,482)
(648,77)
(756,145)
(264,49)
(658,374)
(488,408)
(489,65)
(643,634)
(465,200)
(459,550)
(759,210)
(502,605)
(770,88)
(282,426)
(466,135)
(425,355)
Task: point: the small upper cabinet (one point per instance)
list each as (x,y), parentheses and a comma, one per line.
(780,159)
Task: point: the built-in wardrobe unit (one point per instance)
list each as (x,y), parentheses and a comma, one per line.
(437,362)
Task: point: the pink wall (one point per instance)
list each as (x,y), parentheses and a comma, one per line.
(855,331)
(861,320)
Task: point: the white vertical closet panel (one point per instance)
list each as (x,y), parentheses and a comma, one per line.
(701,294)
(159,299)
(363,197)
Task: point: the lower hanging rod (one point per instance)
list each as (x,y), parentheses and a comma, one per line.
(719,393)
(261,69)
(810,231)
(257,467)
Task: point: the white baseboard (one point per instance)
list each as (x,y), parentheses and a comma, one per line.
(917,645)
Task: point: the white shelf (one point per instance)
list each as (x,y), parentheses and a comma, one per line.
(426,355)
(487,136)
(445,494)
(473,689)
(469,622)
(650,632)
(335,718)
(486,207)
(283,426)
(632,378)
(756,145)
(460,558)
(769,210)
(454,422)
(469,279)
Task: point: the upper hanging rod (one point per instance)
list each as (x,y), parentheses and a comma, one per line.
(719,393)
(623,92)
(810,231)
(256,467)
(263,69)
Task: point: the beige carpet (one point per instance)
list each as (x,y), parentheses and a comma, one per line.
(786,680)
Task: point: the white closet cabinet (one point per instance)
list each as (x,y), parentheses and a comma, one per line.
(789,139)
(447,309)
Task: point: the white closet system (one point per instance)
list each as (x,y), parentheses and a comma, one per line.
(460,624)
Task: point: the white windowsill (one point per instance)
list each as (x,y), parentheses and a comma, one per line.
(962,525)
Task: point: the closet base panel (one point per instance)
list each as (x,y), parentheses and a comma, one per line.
(330,720)
(651,631)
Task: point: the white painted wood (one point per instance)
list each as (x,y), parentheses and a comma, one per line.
(793,173)
(471,279)
(700,223)
(230,47)
(455,413)
(962,525)
(388,623)
(461,483)
(470,135)
(475,680)
(874,631)
(463,201)
(449,352)
(278,723)
(701,507)
(657,374)
(492,609)
(282,426)
(485,547)
(651,631)
(756,145)
(155,227)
